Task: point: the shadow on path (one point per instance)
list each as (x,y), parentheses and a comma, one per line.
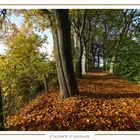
(100,85)
(110,96)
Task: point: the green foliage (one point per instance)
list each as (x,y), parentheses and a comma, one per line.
(128,63)
(23,70)
(51,73)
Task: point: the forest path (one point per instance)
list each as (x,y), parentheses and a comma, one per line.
(101,85)
(104,103)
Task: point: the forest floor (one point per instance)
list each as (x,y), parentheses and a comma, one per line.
(105,102)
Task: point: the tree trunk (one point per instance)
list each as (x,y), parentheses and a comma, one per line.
(93,51)
(76,50)
(106,66)
(1,111)
(98,59)
(84,62)
(111,68)
(87,60)
(79,26)
(62,45)
(104,61)
(46,87)
(79,58)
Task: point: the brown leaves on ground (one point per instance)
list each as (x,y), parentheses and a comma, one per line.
(105,103)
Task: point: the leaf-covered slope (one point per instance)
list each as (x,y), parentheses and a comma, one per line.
(104,103)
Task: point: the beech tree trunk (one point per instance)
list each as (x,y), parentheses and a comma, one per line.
(84,62)
(79,26)
(87,60)
(111,68)
(62,45)
(1,112)
(79,58)
(93,51)
(98,59)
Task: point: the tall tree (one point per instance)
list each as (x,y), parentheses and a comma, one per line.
(60,24)
(62,43)
(78,20)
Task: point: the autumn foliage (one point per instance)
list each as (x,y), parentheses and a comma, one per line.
(104,103)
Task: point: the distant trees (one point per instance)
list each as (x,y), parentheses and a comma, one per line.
(123,30)
(107,32)
(78,20)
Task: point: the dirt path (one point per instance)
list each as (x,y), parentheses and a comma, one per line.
(100,85)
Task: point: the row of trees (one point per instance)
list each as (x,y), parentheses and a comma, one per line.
(87,39)
(103,34)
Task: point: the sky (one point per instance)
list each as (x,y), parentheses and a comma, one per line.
(47,46)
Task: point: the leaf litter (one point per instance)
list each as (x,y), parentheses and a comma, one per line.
(105,102)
